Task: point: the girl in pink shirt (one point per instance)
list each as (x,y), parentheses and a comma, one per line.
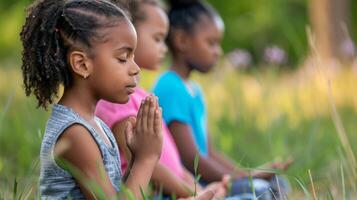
(151,24)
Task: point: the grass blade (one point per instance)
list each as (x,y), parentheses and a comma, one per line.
(306,192)
(15,190)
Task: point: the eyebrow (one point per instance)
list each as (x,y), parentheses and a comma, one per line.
(161,34)
(125,48)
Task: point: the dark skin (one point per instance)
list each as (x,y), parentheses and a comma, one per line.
(151,36)
(108,71)
(200,51)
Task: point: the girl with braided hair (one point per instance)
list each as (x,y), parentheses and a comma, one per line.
(86,46)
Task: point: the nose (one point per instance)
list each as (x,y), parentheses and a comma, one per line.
(218,50)
(164,48)
(134,69)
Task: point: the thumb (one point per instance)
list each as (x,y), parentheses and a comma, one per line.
(207,195)
(226,179)
(132,120)
(128,131)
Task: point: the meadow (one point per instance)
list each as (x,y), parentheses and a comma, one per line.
(255,116)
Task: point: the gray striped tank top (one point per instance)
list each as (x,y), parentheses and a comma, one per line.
(57,183)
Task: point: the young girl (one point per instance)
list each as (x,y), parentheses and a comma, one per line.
(88,47)
(194,40)
(151,24)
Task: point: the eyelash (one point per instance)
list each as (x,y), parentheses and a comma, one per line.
(122,60)
(158,39)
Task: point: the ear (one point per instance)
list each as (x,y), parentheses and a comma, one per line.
(181,40)
(80,64)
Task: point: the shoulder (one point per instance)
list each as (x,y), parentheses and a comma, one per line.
(168,78)
(169,82)
(77,146)
(197,88)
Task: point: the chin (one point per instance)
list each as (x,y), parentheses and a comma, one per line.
(152,67)
(124,101)
(206,69)
(121,100)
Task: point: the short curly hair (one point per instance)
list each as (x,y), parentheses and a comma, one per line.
(50,29)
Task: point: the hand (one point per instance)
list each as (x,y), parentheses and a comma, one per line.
(263,174)
(220,189)
(205,195)
(282,166)
(143,133)
(271,169)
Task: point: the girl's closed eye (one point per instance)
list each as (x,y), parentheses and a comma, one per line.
(158,38)
(122,60)
(212,42)
(125,58)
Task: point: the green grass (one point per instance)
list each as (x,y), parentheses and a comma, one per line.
(251,138)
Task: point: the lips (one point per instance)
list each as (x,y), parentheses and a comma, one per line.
(131,88)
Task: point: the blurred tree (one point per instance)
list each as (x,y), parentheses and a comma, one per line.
(250,25)
(330,20)
(12,16)
(256,25)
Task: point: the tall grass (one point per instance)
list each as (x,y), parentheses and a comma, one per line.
(254,117)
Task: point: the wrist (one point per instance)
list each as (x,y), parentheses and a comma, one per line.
(145,161)
(241,174)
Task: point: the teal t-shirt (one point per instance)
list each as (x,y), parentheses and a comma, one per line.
(184,102)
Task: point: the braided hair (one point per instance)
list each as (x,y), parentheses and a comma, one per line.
(185,15)
(51,28)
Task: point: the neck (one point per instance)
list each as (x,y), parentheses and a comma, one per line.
(181,67)
(80,100)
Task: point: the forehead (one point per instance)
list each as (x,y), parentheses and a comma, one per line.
(210,26)
(121,34)
(155,16)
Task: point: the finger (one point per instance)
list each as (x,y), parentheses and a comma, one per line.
(139,118)
(157,102)
(144,121)
(158,121)
(132,120)
(207,195)
(226,181)
(151,117)
(128,132)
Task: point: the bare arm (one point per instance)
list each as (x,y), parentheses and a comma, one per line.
(171,184)
(268,173)
(225,161)
(119,134)
(77,148)
(209,169)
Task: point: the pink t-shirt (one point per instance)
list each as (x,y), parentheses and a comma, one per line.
(111,113)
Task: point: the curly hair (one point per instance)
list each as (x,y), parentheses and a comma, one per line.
(134,8)
(51,28)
